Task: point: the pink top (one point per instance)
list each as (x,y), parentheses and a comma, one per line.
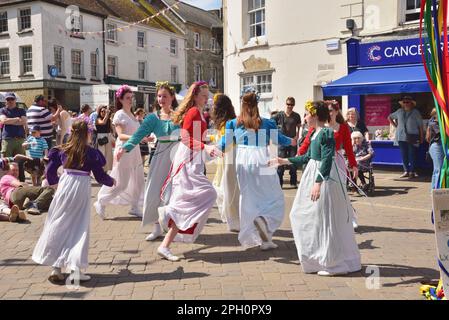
(6,187)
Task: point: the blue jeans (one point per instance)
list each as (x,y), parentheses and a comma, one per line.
(437,155)
(408,153)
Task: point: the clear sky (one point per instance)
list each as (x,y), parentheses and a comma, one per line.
(205,4)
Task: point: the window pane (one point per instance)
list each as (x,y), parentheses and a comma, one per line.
(257,4)
(258,16)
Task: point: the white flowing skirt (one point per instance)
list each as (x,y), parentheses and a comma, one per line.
(228,192)
(323,231)
(64,242)
(130,182)
(192,194)
(159,170)
(260,193)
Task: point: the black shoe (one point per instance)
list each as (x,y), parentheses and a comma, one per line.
(294,186)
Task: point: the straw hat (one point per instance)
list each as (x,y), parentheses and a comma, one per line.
(407,98)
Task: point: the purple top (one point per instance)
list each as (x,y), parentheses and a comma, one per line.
(94,162)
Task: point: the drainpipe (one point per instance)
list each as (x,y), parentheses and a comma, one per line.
(104,50)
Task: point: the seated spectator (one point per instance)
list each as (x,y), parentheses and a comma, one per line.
(15,192)
(363,155)
(9,214)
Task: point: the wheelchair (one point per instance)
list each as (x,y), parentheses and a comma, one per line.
(368,174)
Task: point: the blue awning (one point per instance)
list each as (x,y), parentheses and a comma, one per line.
(403,79)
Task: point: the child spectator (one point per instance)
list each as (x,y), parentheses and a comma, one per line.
(37,148)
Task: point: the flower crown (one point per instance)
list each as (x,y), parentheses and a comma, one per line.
(250,89)
(310,108)
(160,84)
(216,96)
(198,85)
(122,89)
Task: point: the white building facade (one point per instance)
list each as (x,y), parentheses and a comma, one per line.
(292,48)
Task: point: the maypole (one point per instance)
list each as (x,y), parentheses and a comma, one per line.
(434,45)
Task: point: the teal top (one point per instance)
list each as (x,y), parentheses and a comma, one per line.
(151,124)
(322,148)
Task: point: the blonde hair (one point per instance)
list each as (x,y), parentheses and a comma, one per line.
(188,101)
(352,110)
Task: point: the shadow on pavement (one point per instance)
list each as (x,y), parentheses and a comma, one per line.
(369,229)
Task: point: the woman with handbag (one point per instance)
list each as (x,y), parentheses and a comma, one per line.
(409,133)
(436,151)
(104,135)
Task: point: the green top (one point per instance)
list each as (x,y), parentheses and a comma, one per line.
(322,148)
(151,124)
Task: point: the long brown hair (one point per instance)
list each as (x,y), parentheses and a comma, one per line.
(336,106)
(223,110)
(188,101)
(171,91)
(122,91)
(249,116)
(76,148)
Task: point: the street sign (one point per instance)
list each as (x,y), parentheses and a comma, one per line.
(146,89)
(53,71)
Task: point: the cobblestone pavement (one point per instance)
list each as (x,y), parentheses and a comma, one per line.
(395,238)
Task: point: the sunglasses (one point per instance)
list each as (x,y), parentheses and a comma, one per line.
(10,99)
(290,105)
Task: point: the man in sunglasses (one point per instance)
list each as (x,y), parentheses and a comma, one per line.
(14,121)
(289,124)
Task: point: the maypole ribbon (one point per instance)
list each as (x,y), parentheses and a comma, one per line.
(435,58)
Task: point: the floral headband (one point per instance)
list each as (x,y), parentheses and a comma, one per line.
(250,89)
(311,108)
(122,89)
(160,84)
(216,96)
(198,85)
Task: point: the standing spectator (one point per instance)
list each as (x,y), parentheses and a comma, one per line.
(409,133)
(436,151)
(39,115)
(105,139)
(93,120)
(289,124)
(356,124)
(14,120)
(15,192)
(64,122)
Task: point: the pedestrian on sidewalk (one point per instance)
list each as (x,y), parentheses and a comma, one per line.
(64,242)
(321,212)
(193,196)
(161,125)
(129,173)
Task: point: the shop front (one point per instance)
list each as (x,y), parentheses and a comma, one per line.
(379,74)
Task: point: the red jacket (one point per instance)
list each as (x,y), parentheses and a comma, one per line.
(193,127)
(342,140)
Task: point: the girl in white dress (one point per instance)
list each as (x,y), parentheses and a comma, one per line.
(192,194)
(321,213)
(225,180)
(261,198)
(129,172)
(64,242)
